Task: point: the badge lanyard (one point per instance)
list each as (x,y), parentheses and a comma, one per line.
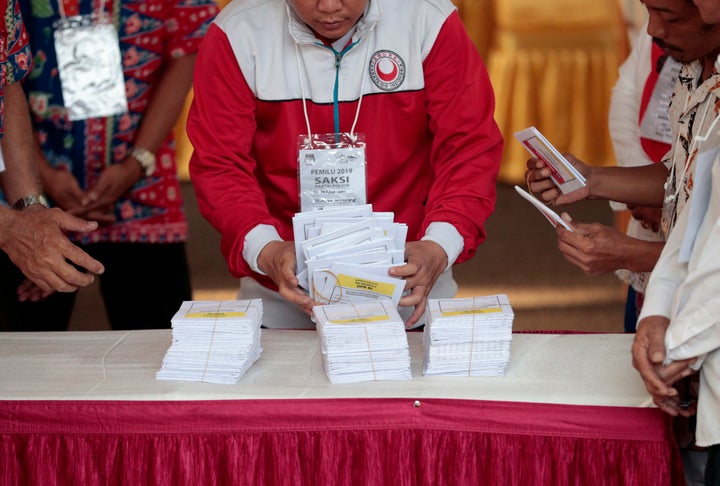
(331,166)
(89,65)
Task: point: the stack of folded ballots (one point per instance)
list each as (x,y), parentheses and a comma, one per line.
(468,337)
(363,342)
(213,341)
(344,254)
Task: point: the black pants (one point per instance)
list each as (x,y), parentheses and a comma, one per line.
(142,288)
(712,469)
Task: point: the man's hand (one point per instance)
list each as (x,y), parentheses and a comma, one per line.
(594,248)
(649,217)
(62,187)
(426,260)
(114,181)
(277,260)
(648,354)
(34,241)
(539,182)
(29,291)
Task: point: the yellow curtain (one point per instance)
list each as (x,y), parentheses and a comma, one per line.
(553,64)
(479,19)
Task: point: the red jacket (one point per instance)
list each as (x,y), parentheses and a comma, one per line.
(433,147)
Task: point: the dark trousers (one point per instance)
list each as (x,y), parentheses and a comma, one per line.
(633,305)
(142,288)
(712,468)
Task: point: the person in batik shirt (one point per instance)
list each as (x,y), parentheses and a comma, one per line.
(31,235)
(90,169)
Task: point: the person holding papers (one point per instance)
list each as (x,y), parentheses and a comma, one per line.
(675,26)
(640,132)
(395,87)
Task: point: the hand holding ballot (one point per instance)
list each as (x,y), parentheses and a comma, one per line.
(277,260)
(559,178)
(540,181)
(426,260)
(594,248)
(597,249)
(551,215)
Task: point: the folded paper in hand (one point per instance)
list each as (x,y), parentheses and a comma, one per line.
(551,215)
(565,176)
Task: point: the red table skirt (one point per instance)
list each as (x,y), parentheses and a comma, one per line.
(334,441)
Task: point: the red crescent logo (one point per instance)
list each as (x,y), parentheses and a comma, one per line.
(387,77)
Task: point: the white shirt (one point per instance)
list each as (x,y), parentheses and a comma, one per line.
(688,293)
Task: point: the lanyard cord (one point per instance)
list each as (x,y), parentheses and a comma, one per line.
(362,93)
(336,106)
(302,93)
(336,87)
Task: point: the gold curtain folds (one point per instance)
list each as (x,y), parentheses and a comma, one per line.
(552,64)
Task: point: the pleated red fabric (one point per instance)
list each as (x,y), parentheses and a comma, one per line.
(333,442)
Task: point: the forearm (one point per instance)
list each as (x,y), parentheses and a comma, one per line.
(221,124)
(643,255)
(642,186)
(7,217)
(19,147)
(166,103)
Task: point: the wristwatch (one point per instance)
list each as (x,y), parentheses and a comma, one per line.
(31,200)
(146,158)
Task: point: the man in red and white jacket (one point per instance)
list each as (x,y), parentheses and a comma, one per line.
(402,72)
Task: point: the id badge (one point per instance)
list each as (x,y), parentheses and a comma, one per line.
(331,170)
(656,124)
(90,67)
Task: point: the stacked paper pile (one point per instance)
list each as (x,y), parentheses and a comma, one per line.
(213,341)
(344,254)
(468,337)
(363,342)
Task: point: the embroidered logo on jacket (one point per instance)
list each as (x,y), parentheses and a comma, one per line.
(387,70)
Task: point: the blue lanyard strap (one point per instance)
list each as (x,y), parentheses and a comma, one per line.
(336,88)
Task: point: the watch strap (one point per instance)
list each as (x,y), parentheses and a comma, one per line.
(146,158)
(30,200)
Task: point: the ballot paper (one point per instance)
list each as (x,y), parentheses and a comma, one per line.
(468,337)
(367,242)
(345,283)
(565,176)
(305,224)
(213,341)
(551,215)
(363,342)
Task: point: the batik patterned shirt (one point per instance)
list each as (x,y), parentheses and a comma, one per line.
(151,32)
(15,57)
(694,107)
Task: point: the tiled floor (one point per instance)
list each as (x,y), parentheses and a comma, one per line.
(519,258)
